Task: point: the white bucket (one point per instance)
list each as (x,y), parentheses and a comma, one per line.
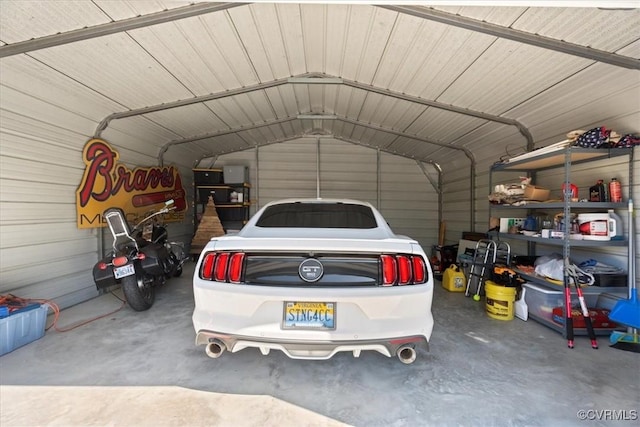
(597,226)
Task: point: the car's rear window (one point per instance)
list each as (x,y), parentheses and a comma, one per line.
(317,215)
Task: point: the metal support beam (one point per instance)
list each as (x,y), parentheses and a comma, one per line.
(261,86)
(198,99)
(436,185)
(517,35)
(114,27)
(169,144)
(448,107)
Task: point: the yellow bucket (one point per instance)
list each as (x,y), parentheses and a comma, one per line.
(500,301)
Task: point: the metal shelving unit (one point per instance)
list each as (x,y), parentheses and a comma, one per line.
(563,157)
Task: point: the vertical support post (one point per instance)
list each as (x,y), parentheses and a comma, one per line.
(378,180)
(256,191)
(317,167)
(568,329)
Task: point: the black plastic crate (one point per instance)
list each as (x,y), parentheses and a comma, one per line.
(220,195)
(207,176)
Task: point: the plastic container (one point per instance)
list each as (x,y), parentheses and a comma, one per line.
(235,174)
(572,190)
(23,327)
(615,191)
(597,192)
(617,233)
(453,279)
(500,301)
(597,226)
(207,176)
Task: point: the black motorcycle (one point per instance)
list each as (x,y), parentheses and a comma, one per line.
(142,257)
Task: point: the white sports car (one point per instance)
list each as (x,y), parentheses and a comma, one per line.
(313,277)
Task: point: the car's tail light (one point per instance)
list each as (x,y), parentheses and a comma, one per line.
(389,270)
(419,269)
(235,267)
(206,271)
(222,267)
(220,270)
(403,270)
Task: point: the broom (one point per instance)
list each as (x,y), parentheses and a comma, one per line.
(627,312)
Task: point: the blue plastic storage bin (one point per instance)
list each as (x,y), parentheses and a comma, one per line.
(22,327)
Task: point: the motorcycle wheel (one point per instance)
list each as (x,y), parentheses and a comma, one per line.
(178,272)
(139,295)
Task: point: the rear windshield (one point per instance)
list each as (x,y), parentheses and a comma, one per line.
(317,215)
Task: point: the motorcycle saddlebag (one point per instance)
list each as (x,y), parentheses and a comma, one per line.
(103,278)
(152,263)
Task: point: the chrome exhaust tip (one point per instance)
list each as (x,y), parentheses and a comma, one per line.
(406,354)
(215,349)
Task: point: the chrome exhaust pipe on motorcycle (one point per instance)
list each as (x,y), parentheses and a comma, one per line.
(406,354)
(215,349)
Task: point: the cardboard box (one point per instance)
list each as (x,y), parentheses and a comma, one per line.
(532,192)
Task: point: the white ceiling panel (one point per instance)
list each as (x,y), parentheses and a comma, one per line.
(495,15)
(258,28)
(23,20)
(367,35)
(510,73)
(46,84)
(336,36)
(590,27)
(390,58)
(190,120)
(117,67)
(441,125)
(119,10)
(290,24)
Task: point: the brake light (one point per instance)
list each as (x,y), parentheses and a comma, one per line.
(389,270)
(208,262)
(223,267)
(403,270)
(120,261)
(419,269)
(235,267)
(220,271)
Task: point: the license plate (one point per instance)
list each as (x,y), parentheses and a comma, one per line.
(124,271)
(309,315)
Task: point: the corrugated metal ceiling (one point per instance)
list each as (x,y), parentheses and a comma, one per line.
(397,62)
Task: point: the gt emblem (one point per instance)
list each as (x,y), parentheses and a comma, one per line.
(310,270)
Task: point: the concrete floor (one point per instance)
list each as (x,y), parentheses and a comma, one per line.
(134,368)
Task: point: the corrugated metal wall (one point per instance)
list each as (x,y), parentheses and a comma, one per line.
(42,252)
(397,186)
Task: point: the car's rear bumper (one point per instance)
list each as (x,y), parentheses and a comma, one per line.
(310,350)
(242,316)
